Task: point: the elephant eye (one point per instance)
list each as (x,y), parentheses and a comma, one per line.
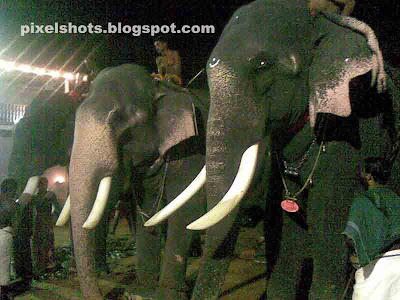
(262,64)
(260,61)
(259,64)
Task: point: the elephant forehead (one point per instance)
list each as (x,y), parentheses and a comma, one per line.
(271,28)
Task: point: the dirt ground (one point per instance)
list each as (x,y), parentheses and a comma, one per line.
(246,278)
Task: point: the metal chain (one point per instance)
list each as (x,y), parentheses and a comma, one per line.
(307,182)
(295,171)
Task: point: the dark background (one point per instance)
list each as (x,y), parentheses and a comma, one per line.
(67,51)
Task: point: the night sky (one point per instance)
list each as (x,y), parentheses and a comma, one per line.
(54,50)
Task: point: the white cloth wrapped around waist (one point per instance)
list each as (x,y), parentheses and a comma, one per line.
(380,279)
(6,248)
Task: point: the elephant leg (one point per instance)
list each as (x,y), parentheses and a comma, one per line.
(148,240)
(328,206)
(179,240)
(172,280)
(148,253)
(216,260)
(329,250)
(287,252)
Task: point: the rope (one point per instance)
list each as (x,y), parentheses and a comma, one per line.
(162,188)
(157,204)
(197,75)
(195,120)
(348,284)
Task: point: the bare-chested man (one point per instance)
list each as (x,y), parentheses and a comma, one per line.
(168,63)
(341,7)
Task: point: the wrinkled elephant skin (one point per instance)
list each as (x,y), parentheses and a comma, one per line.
(305,81)
(143,131)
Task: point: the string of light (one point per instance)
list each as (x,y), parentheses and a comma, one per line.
(10,66)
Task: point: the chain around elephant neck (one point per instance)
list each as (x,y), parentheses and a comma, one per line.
(308,181)
(309,178)
(157,205)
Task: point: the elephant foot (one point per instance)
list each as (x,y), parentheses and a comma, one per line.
(161,294)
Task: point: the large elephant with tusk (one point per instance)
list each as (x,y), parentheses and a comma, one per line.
(153,134)
(317,85)
(42,139)
(42,144)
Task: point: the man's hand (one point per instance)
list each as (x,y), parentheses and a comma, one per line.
(25,199)
(157,76)
(173,79)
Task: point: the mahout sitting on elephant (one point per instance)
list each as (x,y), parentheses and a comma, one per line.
(317,85)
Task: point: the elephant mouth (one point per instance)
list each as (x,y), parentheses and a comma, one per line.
(228,203)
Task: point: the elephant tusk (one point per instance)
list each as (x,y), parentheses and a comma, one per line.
(99,204)
(65,213)
(236,192)
(32,185)
(192,189)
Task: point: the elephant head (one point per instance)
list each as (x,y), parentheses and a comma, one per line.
(43,137)
(273,82)
(125,107)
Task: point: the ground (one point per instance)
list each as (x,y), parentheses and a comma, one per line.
(246,278)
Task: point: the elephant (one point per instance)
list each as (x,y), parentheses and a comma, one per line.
(35,138)
(317,86)
(41,139)
(153,133)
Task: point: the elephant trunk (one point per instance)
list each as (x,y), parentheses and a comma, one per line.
(91,161)
(233,111)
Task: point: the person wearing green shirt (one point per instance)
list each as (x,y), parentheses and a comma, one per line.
(373,231)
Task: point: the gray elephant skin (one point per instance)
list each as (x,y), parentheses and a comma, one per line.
(43,139)
(274,67)
(36,146)
(133,125)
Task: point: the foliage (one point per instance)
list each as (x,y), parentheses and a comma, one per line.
(119,248)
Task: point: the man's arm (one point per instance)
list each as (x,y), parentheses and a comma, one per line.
(332,6)
(177,67)
(348,6)
(160,67)
(30,188)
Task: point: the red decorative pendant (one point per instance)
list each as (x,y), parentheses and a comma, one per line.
(289,206)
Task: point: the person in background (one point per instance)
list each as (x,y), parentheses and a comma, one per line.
(8,209)
(44,202)
(373,235)
(168,63)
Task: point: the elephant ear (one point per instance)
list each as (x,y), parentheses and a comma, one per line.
(339,57)
(175,119)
